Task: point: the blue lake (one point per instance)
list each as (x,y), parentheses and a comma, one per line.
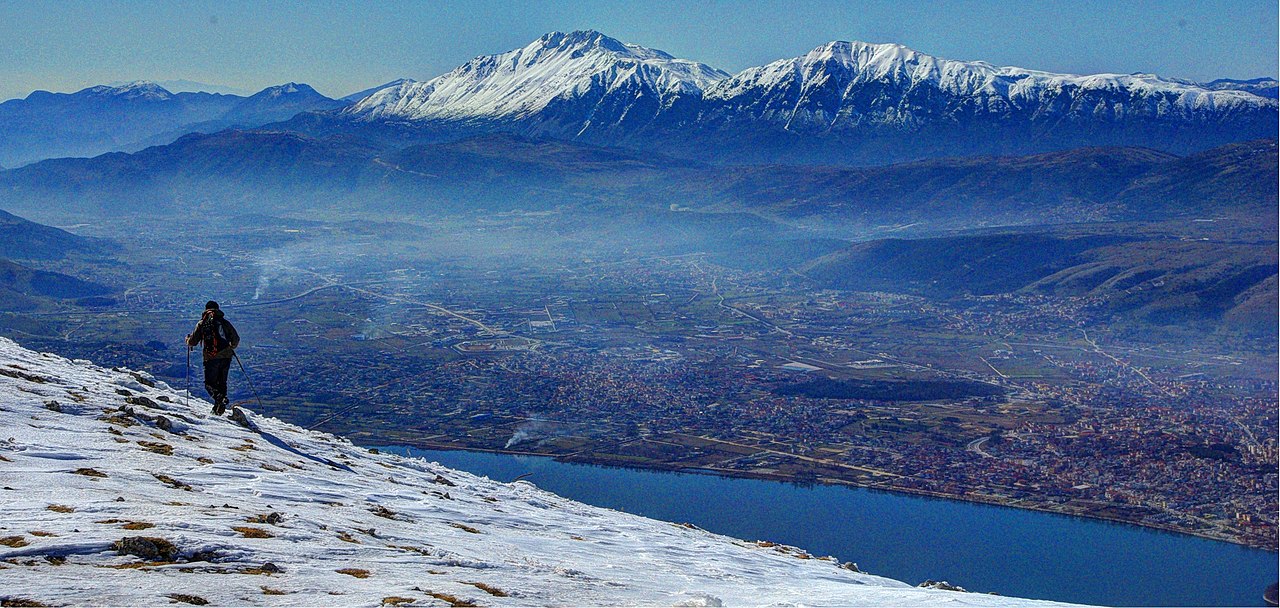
(910,538)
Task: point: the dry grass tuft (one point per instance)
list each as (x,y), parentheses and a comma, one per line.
(452,600)
(269,591)
(188,599)
(249,532)
(244,448)
(171,482)
(138,525)
(40,533)
(412,549)
(88,472)
(345,537)
(157,447)
(356,572)
(465,528)
(272,518)
(137,565)
(14,541)
(394,600)
(61,509)
(494,591)
(21,602)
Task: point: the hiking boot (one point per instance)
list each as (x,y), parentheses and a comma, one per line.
(220,406)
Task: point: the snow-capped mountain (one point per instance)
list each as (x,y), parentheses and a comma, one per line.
(138,89)
(358,95)
(841,102)
(848,85)
(116,492)
(278,103)
(575,84)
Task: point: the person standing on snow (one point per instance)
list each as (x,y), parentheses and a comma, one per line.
(220,341)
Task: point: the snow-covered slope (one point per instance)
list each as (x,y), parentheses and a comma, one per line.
(573,82)
(114,492)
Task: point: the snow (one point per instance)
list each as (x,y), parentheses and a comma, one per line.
(784,90)
(138,89)
(278,515)
(585,81)
(524,81)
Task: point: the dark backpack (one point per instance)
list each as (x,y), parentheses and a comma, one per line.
(211,331)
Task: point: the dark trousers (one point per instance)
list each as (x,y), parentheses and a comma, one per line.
(215,378)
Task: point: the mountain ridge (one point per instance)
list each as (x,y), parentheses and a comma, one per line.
(840,103)
(101,119)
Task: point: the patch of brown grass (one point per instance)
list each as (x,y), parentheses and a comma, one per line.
(494,591)
(136,565)
(171,482)
(187,598)
(88,472)
(386,513)
(356,572)
(452,600)
(157,447)
(119,420)
(243,448)
(412,549)
(269,591)
(21,602)
(249,532)
(204,460)
(14,541)
(465,528)
(394,600)
(61,509)
(272,518)
(345,537)
(138,525)
(40,533)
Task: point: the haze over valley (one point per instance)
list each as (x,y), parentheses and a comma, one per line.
(863,265)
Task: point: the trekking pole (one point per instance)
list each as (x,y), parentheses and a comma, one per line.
(188,376)
(250,380)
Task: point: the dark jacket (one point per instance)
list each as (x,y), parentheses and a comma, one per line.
(225,339)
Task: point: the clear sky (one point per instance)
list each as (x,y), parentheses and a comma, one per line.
(340,47)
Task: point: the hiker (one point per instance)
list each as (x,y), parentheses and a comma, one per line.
(220,340)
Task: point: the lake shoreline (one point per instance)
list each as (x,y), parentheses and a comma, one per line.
(833,481)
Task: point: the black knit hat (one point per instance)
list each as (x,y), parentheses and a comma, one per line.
(211,305)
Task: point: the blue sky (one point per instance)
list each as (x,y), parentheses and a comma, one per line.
(341,47)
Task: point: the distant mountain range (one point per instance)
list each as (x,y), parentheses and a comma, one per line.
(130,117)
(248,171)
(842,103)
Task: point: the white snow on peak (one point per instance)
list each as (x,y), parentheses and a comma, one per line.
(138,89)
(288,88)
(845,65)
(523,81)
(113,491)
